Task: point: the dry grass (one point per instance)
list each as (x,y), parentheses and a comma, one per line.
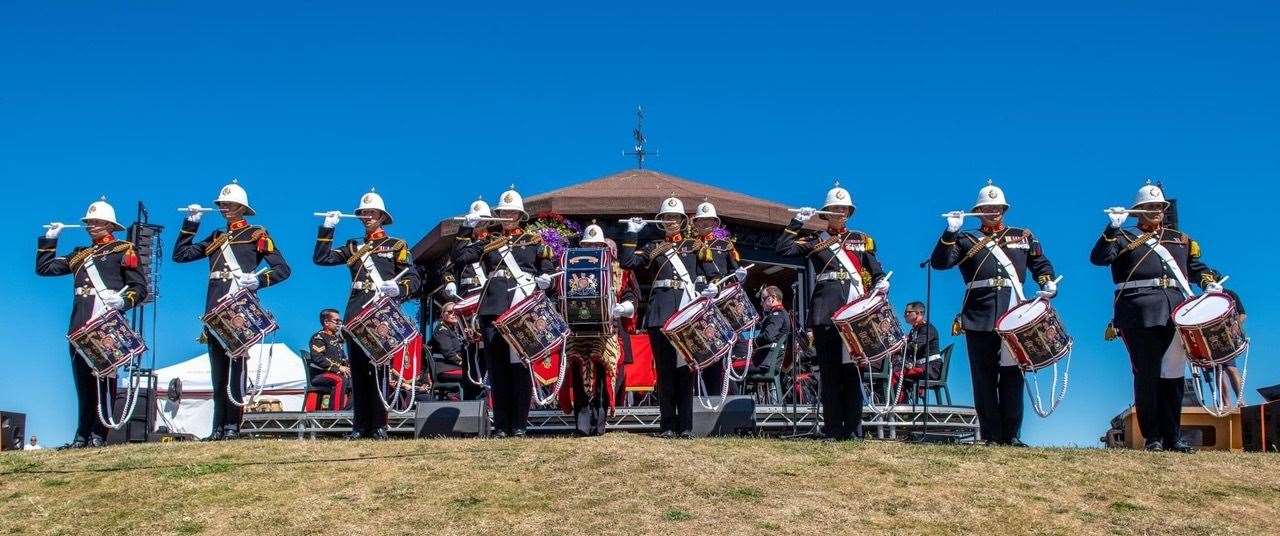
(627,484)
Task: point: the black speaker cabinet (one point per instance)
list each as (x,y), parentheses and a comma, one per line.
(736,416)
(1260,427)
(13,429)
(469,418)
(135,430)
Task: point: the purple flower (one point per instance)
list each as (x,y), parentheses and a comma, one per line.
(720,233)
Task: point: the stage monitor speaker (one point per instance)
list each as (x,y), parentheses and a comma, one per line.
(1260,427)
(13,429)
(135,430)
(736,416)
(468,418)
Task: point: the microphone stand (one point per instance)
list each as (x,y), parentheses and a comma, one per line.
(928,314)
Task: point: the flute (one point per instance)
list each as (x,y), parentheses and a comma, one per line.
(823,212)
(340,215)
(72,226)
(961,214)
(482,218)
(643,220)
(1130,211)
(197,209)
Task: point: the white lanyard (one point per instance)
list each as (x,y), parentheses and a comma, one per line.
(95,279)
(1170,265)
(842,256)
(233,265)
(523,279)
(682,274)
(480,277)
(1007,266)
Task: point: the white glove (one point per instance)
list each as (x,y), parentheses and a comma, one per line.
(331,219)
(711,291)
(389,288)
(543,282)
(1213,287)
(1117,216)
(882,286)
(740,273)
(634,225)
(1049,290)
(248,281)
(805,214)
(955,220)
(112,299)
(451,290)
(194,213)
(471,220)
(624,309)
(55,229)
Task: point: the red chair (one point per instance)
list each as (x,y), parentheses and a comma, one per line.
(640,375)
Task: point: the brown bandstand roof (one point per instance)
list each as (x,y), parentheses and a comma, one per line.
(625,194)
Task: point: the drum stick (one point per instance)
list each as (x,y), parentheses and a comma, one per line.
(823,212)
(72,226)
(513,289)
(1055,284)
(1200,298)
(886,278)
(378,293)
(721,280)
(961,214)
(340,215)
(643,220)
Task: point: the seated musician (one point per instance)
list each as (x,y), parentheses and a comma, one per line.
(328,361)
(775,328)
(449,348)
(922,358)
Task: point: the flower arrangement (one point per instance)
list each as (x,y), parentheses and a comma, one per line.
(556,231)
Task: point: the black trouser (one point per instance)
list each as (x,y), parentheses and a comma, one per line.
(841,386)
(367,412)
(226,416)
(997,390)
(590,405)
(674,385)
(87,423)
(1158,400)
(509,383)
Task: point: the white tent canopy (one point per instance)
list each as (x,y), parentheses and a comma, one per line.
(284,378)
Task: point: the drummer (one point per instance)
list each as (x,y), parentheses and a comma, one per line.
(1152,266)
(234,255)
(464,280)
(388,257)
(717,260)
(674,264)
(993,263)
(846,268)
(116,265)
(593,361)
(508,253)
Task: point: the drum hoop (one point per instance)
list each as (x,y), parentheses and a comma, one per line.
(93,324)
(519,307)
(1048,309)
(666,326)
(667,330)
(1182,340)
(226,304)
(1231,312)
(725,297)
(851,304)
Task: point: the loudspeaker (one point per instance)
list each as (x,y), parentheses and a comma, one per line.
(13,427)
(736,416)
(1260,427)
(452,419)
(135,430)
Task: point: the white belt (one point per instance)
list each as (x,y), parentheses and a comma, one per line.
(222,275)
(1162,282)
(997,282)
(500,273)
(364,285)
(668,283)
(84,291)
(834,276)
(470,281)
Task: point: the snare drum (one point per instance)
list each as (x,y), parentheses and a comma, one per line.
(533,327)
(869,328)
(1210,329)
(106,343)
(239,322)
(737,308)
(700,334)
(1033,335)
(381,330)
(467,307)
(588,291)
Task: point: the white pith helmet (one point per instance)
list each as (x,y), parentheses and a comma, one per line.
(102,211)
(480,208)
(593,234)
(990,195)
(234,193)
(837,197)
(1149,193)
(672,205)
(706,210)
(511,200)
(373,201)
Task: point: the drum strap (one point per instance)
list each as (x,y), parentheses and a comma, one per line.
(1170,265)
(481,278)
(524,281)
(849,264)
(997,253)
(95,279)
(682,273)
(1174,361)
(233,266)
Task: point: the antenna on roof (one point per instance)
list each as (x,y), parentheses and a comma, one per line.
(638,134)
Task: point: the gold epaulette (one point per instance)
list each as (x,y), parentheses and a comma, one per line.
(496,243)
(78,257)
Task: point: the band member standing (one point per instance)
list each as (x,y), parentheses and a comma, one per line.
(1152,267)
(674,264)
(234,254)
(516,261)
(593,361)
(374,265)
(993,263)
(846,268)
(114,266)
(717,259)
(463,280)
(328,361)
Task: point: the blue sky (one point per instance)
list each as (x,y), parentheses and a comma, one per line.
(1068,108)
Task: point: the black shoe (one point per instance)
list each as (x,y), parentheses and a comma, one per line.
(1181,446)
(215,436)
(1154,446)
(520,433)
(380,435)
(1015,442)
(500,434)
(97,442)
(354,435)
(990,443)
(230,434)
(76,444)
(686,434)
(666,434)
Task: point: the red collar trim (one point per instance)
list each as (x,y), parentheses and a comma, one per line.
(990,230)
(106,239)
(514,231)
(375,235)
(675,238)
(237,225)
(1148,227)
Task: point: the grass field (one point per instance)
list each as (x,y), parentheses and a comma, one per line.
(631,484)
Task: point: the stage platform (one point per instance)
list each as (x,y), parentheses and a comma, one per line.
(956,423)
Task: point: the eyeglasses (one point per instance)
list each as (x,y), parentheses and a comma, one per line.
(331,320)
